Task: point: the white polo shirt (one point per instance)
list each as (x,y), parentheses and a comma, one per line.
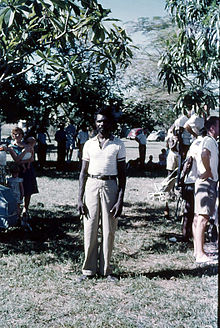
(103,161)
(179,123)
(211,144)
(193,151)
(195,122)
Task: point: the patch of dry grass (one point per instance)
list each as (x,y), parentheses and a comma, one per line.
(160,285)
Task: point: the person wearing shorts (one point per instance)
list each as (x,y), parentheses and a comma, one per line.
(205,187)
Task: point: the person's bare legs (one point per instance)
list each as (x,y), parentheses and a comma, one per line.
(27,199)
(199,237)
(194,224)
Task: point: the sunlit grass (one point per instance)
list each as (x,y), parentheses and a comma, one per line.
(160,285)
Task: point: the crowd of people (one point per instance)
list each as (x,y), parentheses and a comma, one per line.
(22,146)
(193,150)
(103,162)
(191,147)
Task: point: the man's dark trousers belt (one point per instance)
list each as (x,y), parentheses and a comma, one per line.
(103,177)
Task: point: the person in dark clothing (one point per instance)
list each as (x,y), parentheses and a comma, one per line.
(42,145)
(60,137)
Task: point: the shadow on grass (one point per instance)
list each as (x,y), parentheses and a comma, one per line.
(142,173)
(53,173)
(60,236)
(206,270)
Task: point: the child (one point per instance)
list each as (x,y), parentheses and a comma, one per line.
(163,158)
(2,164)
(16,185)
(27,153)
(17,188)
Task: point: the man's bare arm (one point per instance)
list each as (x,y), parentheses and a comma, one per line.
(206,162)
(82,183)
(117,208)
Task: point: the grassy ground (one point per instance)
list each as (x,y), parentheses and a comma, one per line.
(160,285)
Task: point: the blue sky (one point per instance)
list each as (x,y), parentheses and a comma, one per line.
(132,9)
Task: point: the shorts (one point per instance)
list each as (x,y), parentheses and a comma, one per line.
(205,197)
(172,161)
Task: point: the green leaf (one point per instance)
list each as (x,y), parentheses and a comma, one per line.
(70,78)
(41,54)
(103,66)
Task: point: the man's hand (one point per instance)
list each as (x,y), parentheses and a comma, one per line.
(82,181)
(117,209)
(206,175)
(81,207)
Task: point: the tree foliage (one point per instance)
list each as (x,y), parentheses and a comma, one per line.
(146,101)
(190,62)
(33,32)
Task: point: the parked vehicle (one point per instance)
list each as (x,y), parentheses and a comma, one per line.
(134,133)
(156,136)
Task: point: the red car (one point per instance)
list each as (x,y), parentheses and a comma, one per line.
(134,133)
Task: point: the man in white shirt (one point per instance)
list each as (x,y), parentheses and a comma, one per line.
(100,196)
(192,124)
(205,186)
(183,135)
(189,174)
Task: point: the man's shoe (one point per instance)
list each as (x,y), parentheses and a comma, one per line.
(111,278)
(83,277)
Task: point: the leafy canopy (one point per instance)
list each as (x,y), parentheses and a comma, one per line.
(190,62)
(34,31)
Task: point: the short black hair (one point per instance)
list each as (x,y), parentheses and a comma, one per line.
(106,111)
(212,120)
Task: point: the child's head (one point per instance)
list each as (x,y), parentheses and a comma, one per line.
(17,131)
(31,141)
(14,170)
(163,151)
(151,157)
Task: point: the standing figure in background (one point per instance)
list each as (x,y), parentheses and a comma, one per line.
(70,140)
(60,137)
(205,187)
(42,136)
(82,137)
(162,159)
(28,174)
(188,178)
(3,163)
(173,157)
(184,137)
(142,140)
(16,185)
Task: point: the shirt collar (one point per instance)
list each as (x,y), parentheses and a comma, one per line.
(110,138)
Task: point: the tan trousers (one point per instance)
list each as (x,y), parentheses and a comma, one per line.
(100,196)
